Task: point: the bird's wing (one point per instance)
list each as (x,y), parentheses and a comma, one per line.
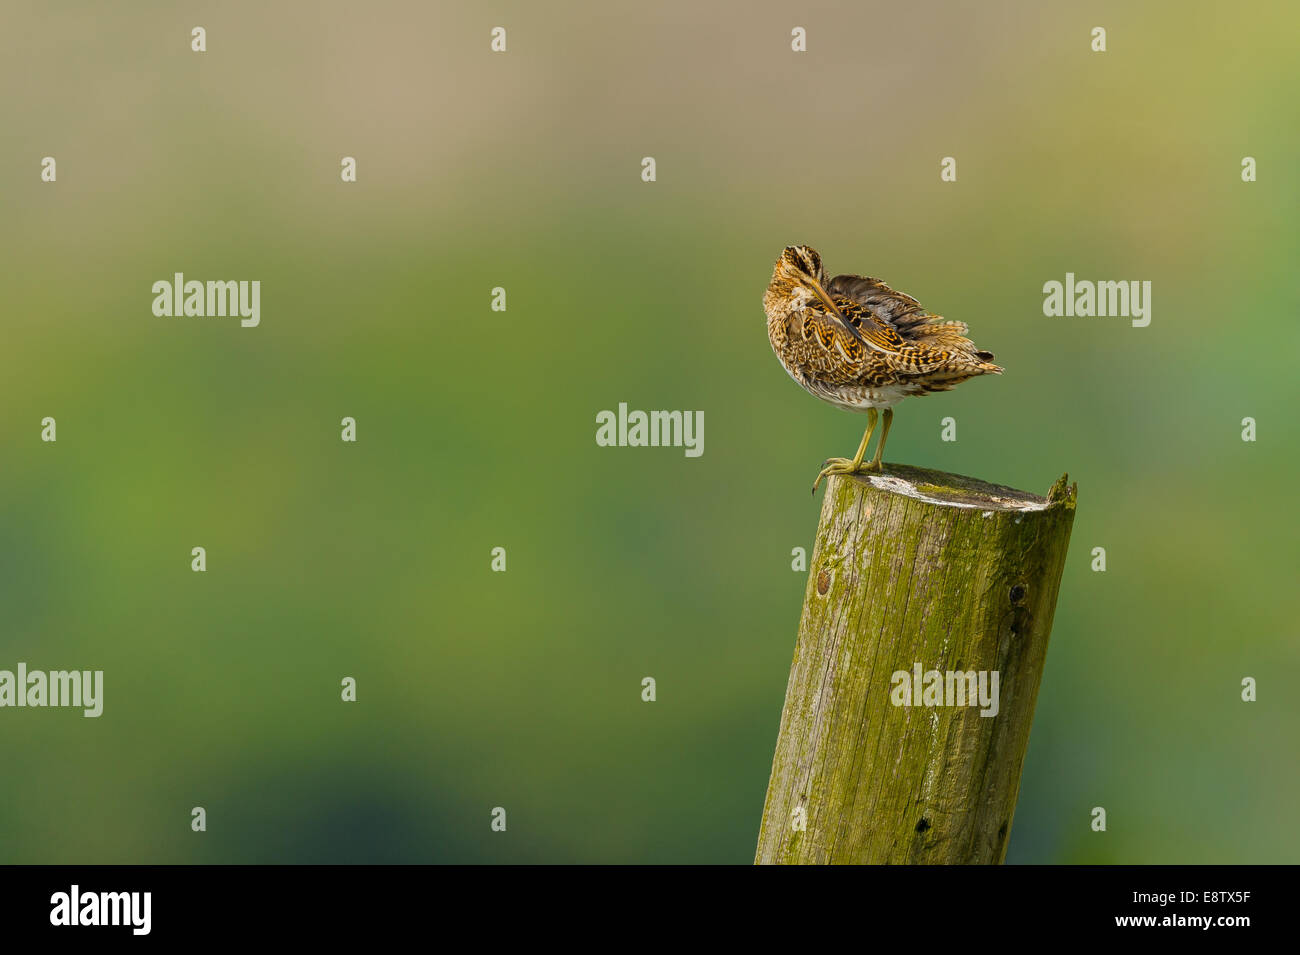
(841,353)
(844,359)
(877,335)
(931,341)
(890,306)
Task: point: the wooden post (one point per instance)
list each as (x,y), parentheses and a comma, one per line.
(914,571)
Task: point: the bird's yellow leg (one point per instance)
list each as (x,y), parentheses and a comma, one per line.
(844,465)
(875,464)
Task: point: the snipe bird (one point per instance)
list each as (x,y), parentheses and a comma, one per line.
(856,343)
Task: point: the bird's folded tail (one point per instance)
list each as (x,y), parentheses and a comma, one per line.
(950,338)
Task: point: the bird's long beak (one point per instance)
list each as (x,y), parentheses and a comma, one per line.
(830,306)
(826,299)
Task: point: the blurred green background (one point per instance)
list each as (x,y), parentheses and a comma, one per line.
(476,429)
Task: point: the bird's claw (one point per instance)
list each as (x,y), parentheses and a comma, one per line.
(835,466)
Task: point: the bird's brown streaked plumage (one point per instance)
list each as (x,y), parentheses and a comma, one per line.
(860,345)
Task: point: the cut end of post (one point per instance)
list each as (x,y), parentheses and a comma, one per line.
(958,490)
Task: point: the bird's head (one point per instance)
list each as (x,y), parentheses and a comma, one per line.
(799,279)
(800,264)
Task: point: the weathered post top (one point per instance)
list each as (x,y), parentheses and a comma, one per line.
(957,490)
(916,669)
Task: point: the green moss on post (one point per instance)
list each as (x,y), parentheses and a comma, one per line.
(913,567)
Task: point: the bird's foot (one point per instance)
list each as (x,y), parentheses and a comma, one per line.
(836,466)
